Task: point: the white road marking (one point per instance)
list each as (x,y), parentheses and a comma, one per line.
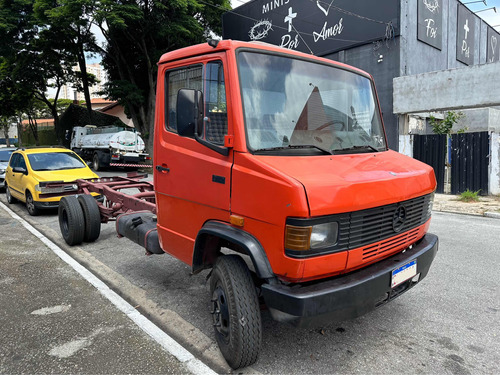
(165,341)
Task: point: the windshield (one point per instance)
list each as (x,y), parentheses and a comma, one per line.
(5,155)
(291,104)
(55,161)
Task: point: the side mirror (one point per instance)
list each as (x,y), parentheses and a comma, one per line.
(19,170)
(189,112)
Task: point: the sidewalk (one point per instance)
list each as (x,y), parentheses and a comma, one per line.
(487,206)
(52,320)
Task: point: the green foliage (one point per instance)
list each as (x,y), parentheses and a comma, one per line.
(445,126)
(46,137)
(138,33)
(469,196)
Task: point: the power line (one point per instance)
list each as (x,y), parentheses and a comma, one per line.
(300,33)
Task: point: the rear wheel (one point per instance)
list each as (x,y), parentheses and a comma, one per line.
(96,163)
(235,311)
(92,217)
(30,204)
(10,198)
(71,220)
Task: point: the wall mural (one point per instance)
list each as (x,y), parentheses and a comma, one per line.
(430,22)
(313,26)
(466,35)
(493,54)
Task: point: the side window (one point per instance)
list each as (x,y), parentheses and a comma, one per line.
(22,162)
(185,78)
(215,103)
(14,160)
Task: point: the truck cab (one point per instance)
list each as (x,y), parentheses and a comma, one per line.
(272,168)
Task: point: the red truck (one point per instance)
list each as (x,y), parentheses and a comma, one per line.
(271,169)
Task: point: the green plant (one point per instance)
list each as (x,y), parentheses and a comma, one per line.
(469,196)
(445,125)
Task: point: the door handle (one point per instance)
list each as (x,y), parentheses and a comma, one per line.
(161,169)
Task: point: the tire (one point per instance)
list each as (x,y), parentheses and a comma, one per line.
(71,220)
(92,217)
(30,204)
(235,311)
(96,163)
(10,198)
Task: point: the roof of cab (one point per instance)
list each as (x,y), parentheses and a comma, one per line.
(225,45)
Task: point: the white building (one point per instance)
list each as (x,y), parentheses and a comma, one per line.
(68,92)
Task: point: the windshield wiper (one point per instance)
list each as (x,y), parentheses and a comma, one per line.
(353,148)
(291,147)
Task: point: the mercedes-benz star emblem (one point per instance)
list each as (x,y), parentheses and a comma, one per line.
(398,219)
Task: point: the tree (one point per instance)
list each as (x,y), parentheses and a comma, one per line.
(34,58)
(73,20)
(138,33)
(445,125)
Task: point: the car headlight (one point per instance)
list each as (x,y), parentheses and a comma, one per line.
(2,171)
(311,237)
(324,235)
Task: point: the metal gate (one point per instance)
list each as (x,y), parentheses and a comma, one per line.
(469,162)
(431,149)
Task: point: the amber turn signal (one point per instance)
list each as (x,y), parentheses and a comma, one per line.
(237,220)
(298,238)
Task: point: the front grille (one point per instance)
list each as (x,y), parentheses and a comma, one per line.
(366,227)
(376,224)
(384,247)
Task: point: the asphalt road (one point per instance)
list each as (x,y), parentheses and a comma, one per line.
(449,323)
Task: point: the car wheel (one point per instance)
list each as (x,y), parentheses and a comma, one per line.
(235,311)
(92,217)
(30,204)
(71,220)
(10,198)
(96,163)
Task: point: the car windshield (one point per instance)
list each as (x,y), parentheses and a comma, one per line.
(5,155)
(55,161)
(291,105)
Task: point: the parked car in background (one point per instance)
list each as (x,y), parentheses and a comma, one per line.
(4,161)
(41,176)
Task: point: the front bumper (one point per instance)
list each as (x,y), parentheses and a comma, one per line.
(347,296)
(46,204)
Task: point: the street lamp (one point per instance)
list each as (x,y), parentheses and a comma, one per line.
(482,10)
(479,1)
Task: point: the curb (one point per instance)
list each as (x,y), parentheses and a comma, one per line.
(494,215)
(491,215)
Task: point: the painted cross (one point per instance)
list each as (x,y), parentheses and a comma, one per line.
(289,18)
(466,28)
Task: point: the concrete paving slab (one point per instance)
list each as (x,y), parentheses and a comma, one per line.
(53,321)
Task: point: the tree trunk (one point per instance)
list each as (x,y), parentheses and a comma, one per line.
(34,128)
(6,133)
(20,132)
(83,70)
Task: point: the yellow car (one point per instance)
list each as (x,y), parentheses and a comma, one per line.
(41,176)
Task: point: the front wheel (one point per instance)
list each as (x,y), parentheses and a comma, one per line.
(30,205)
(235,311)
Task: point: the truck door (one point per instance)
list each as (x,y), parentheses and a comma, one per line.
(192,180)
